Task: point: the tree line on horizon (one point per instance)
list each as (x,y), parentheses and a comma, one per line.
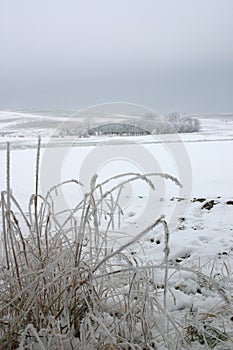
(151,123)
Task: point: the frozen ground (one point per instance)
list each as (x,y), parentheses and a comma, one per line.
(205,169)
(201,231)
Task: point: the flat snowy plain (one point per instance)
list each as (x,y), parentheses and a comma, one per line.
(200,238)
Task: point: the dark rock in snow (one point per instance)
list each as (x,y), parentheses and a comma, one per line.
(180,259)
(229,202)
(209,205)
(223,253)
(198,200)
(178,199)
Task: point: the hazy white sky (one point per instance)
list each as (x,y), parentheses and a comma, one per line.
(171,55)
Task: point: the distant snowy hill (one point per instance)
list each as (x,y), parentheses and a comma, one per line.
(23,128)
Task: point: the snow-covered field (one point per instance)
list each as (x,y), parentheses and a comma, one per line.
(200,215)
(205,166)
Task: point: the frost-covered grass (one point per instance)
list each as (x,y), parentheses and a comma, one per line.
(65,284)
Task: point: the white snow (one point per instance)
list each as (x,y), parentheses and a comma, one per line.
(200,238)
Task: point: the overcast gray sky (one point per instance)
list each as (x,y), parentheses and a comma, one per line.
(171,55)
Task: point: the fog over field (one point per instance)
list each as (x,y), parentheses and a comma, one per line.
(169,55)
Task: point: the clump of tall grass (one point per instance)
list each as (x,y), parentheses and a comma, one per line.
(63,287)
